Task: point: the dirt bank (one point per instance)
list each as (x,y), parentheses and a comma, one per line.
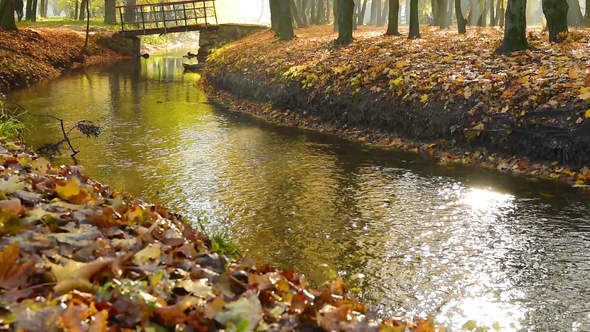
(34,54)
(446,95)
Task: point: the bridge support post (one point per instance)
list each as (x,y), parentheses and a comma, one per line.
(207,40)
(123,45)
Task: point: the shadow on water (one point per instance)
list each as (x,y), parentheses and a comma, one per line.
(410,236)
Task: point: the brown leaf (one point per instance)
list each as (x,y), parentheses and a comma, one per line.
(12,274)
(99,322)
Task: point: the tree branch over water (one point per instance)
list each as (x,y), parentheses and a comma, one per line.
(86,127)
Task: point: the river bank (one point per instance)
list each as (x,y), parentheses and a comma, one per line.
(35,53)
(446,96)
(78,255)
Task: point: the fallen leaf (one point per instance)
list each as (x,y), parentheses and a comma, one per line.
(245,309)
(153,251)
(12,274)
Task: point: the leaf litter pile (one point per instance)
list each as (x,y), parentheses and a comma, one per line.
(33,54)
(537,102)
(78,256)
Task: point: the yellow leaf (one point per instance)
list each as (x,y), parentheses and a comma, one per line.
(573,74)
(584,95)
(400,64)
(136,214)
(587,114)
(71,188)
(72,192)
(424,98)
(584,90)
(362,139)
(153,251)
(76,275)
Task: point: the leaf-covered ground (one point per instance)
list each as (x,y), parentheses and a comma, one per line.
(77,256)
(445,90)
(35,53)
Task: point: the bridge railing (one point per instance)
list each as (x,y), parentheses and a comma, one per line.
(167,15)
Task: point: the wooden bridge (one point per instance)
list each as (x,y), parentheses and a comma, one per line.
(167,17)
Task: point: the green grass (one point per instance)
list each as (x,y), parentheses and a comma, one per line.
(220,240)
(11,127)
(155,39)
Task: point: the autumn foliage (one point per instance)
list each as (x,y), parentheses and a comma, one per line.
(78,256)
(33,54)
(451,94)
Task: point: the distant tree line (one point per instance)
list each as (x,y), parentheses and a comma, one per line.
(346,15)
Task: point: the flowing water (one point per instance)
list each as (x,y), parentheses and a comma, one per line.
(408,235)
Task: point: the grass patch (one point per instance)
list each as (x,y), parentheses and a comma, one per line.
(220,240)
(11,127)
(155,39)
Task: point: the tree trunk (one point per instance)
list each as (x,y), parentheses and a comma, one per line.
(414,23)
(384,13)
(303,12)
(296,15)
(483,17)
(441,7)
(7,21)
(461,21)
(515,31)
(502,12)
(345,17)
(493,15)
(407,12)
(82,11)
(574,14)
(274,15)
(355,15)
(377,11)
(361,17)
(587,12)
(373,18)
(556,14)
(392,25)
(110,15)
(43,8)
(321,12)
(474,12)
(285,23)
(434,6)
(335,10)
(449,14)
(31,14)
(83,51)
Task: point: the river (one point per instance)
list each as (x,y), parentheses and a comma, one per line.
(408,235)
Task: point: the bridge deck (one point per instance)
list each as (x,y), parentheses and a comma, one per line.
(167,17)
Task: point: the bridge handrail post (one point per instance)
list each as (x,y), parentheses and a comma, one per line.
(215,11)
(164,18)
(184,14)
(122,22)
(142,20)
(195,12)
(205,12)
